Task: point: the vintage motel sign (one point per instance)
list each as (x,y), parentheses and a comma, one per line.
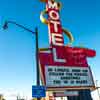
(63,67)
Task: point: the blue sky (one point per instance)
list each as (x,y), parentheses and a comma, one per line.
(17,46)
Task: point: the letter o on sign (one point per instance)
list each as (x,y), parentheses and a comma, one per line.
(54,15)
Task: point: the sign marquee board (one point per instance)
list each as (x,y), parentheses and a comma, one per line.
(66,76)
(74,73)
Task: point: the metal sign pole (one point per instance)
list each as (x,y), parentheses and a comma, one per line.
(37,60)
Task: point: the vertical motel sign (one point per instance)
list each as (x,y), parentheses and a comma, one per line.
(63,67)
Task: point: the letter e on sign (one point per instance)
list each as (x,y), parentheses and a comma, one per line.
(57,39)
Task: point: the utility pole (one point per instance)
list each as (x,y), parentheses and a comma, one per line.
(5,26)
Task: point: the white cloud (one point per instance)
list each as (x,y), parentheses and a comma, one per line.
(11,94)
